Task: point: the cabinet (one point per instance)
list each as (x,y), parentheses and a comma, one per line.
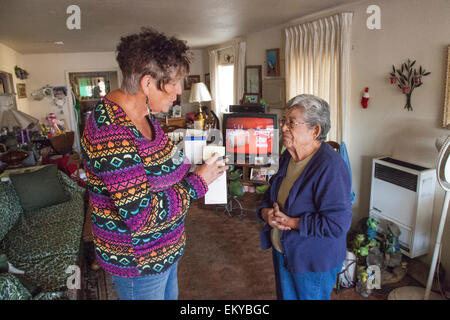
(247,178)
(171,124)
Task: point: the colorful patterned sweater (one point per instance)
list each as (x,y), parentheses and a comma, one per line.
(140,191)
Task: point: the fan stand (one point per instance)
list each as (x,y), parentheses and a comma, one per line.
(412,293)
(418,293)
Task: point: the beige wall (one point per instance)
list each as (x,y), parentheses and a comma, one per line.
(9,58)
(51,69)
(257,44)
(410,29)
(198,63)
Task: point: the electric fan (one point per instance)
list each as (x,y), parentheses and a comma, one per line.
(443,177)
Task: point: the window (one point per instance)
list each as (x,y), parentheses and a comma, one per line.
(226,86)
(92,87)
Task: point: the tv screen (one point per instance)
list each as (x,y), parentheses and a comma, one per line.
(249,134)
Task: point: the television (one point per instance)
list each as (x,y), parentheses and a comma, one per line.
(249,135)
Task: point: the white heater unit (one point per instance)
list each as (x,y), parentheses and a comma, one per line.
(403,193)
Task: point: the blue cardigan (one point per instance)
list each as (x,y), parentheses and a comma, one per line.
(321,199)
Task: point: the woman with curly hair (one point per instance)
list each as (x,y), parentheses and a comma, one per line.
(139,184)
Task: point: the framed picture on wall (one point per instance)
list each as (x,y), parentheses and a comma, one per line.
(189,80)
(258,174)
(176,111)
(253,79)
(21,90)
(446,118)
(250,98)
(2,87)
(273,62)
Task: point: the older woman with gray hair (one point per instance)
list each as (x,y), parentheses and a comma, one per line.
(307,208)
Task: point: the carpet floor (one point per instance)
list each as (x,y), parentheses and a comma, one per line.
(222,261)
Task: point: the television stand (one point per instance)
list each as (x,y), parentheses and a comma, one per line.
(247,178)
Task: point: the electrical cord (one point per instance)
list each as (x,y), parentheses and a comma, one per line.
(352,283)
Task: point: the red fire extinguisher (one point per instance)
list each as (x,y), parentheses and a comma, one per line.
(365,98)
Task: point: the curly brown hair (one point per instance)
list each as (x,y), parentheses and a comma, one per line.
(151,53)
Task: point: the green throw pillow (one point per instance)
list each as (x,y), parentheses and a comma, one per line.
(39,189)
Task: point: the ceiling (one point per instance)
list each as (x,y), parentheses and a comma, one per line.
(33,26)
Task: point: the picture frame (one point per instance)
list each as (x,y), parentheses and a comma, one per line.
(253,79)
(21,90)
(63,124)
(189,80)
(2,86)
(208,81)
(446,116)
(176,111)
(251,98)
(6,83)
(258,174)
(273,62)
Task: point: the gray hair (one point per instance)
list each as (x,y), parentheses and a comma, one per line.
(316,112)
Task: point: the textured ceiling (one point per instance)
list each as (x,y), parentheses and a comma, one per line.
(33,26)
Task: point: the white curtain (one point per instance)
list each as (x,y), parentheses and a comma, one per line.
(239,70)
(238,50)
(214,83)
(317,60)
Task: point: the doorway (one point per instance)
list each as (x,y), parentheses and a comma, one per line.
(88,88)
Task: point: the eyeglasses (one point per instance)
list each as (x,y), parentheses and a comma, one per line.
(290,124)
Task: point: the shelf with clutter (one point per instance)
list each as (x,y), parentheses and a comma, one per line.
(25,142)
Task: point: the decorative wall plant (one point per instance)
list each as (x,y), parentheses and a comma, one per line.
(408,78)
(20,73)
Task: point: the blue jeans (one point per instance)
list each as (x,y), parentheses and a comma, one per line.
(302,286)
(161,286)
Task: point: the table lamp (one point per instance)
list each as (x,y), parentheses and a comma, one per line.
(11,118)
(199,93)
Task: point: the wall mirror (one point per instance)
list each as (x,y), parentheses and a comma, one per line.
(253,80)
(7,94)
(446,122)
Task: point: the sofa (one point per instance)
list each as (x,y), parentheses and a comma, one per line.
(43,242)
